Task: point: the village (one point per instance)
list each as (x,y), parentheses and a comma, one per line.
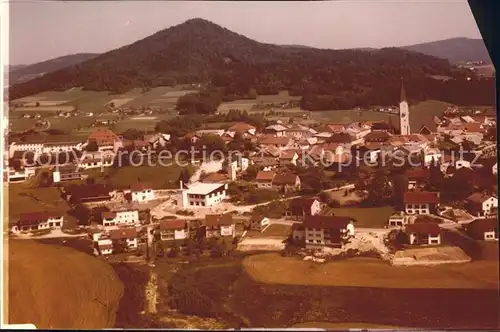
(277,195)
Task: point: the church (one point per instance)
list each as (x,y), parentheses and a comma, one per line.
(404,113)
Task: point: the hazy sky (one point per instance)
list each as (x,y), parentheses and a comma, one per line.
(40,30)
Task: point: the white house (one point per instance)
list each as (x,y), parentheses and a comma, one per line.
(258,222)
(219,225)
(33,221)
(120,218)
(57,147)
(202,194)
(127,235)
(421,202)
(174,229)
(327,231)
(481,205)
(141,193)
(424,233)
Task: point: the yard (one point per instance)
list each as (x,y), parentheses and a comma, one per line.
(273,231)
(366,217)
(368,272)
(160,177)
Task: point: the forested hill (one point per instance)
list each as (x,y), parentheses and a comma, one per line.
(454,49)
(199,51)
(19,74)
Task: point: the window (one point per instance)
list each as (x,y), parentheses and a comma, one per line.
(318,241)
(310,241)
(202,203)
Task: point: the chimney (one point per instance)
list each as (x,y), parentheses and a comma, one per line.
(180,184)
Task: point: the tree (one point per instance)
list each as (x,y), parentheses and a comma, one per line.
(119,246)
(132,134)
(185,175)
(92,146)
(400,187)
(211,143)
(379,189)
(251,173)
(435,176)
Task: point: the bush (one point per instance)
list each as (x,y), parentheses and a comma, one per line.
(396,239)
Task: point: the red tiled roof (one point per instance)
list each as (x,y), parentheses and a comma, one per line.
(212,220)
(483,225)
(327,222)
(423,228)
(421,197)
(102,134)
(124,233)
(241,127)
(289,154)
(214,177)
(265,176)
(172,224)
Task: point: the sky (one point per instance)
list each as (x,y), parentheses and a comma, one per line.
(41,30)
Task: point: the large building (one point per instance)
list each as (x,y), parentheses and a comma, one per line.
(323,231)
(33,221)
(202,194)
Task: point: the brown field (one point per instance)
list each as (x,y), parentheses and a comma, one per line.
(58,287)
(368,272)
(326,325)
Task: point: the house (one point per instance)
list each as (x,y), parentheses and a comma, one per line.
(67,173)
(55,147)
(242,128)
(266,163)
(120,218)
(21,175)
(483,229)
(141,193)
(214,132)
(481,205)
(277,130)
(88,193)
(219,225)
(215,178)
(421,202)
(258,222)
(105,139)
(126,237)
(301,207)
(397,220)
(327,231)
(286,182)
(424,233)
(157,140)
(417,178)
(33,221)
(288,157)
(173,230)
(278,142)
(298,132)
(95,163)
(202,194)
(264,179)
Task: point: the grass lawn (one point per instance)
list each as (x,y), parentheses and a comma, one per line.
(367,272)
(276,230)
(375,217)
(61,288)
(24,199)
(158,176)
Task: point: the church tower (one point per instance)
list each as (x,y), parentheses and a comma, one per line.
(404,114)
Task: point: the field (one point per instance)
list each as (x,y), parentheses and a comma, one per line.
(158,176)
(58,287)
(375,217)
(242,301)
(22,198)
(369,272)
(273,231)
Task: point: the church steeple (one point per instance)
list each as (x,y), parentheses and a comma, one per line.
(403,92)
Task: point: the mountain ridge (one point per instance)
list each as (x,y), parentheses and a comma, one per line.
(199,51)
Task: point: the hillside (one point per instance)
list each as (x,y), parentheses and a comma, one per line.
(199,51)
(58,287)
(23,73)
(454,49)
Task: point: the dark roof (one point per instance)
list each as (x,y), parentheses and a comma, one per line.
(423,228)
(212,220)
(326,221)
(140,186)
(108,215)
(285,178)
(256,217)
(124,233)
(303,203)
(418,173)
(34,217)
(421,197)
(483,225)
(89,190)
(214,178)
(478,197)
(172,224)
